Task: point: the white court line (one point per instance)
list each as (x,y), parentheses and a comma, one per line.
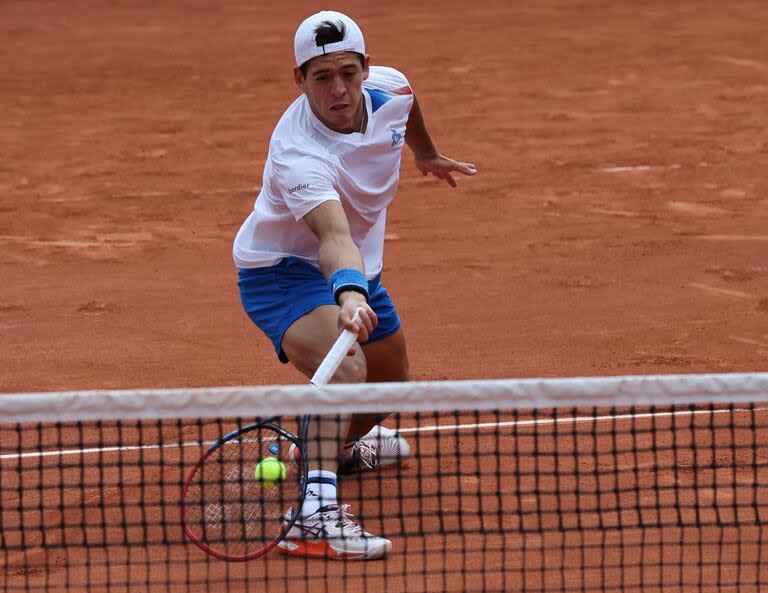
(434,428)
(65,452)
(572,420)
(633,168)
(626,169)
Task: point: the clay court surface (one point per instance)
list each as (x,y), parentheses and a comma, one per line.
(618,224)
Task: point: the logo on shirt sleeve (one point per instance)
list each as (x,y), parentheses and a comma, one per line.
(396,137)
(301,186)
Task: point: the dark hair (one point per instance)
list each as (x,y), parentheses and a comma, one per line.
(329,32)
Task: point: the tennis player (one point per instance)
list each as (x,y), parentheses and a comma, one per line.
(310,254)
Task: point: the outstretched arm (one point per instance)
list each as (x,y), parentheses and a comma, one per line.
(427,158)
(339,255)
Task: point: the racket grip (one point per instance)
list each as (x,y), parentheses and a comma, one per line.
(335,355)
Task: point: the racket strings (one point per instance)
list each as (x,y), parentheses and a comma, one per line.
(227,507)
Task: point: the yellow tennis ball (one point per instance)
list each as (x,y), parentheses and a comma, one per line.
(270,471)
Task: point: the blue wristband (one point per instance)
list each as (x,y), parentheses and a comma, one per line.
(347,279)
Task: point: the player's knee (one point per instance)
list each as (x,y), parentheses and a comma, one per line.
(353,369)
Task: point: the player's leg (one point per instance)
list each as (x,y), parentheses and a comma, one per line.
(291,303)
(369,444)
(386,360)
(325,529)
(309,338)
(305,343)
(385,355)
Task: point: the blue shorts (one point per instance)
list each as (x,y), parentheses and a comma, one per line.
(276,296)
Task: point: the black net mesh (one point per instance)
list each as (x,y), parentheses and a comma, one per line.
(584,499)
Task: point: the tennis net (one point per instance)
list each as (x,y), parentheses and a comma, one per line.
(631,484)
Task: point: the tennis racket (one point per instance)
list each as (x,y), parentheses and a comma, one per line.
(225,510)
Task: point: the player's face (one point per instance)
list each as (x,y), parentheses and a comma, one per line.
(334,87)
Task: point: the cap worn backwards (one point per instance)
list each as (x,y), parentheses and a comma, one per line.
(306,45)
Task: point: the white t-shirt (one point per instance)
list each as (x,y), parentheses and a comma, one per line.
(308,164)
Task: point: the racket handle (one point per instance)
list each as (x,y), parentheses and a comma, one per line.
(335,355)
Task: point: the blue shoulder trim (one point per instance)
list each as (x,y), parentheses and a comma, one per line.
(378,98)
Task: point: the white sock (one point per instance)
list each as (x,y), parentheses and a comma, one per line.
(319,493)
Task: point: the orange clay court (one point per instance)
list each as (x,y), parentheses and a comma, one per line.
(618,223)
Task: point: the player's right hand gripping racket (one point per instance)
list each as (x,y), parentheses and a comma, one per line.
(225,509)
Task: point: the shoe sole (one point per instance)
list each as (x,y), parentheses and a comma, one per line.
(323,549)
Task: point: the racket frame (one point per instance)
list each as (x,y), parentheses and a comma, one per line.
(322,376)
(287,524)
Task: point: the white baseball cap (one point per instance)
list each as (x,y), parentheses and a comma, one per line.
(305,45)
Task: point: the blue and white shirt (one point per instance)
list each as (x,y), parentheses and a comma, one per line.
(308,164)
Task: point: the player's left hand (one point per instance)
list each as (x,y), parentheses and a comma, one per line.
(441,167)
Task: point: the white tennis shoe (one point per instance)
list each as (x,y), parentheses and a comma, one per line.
(381,447)
(331,533)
